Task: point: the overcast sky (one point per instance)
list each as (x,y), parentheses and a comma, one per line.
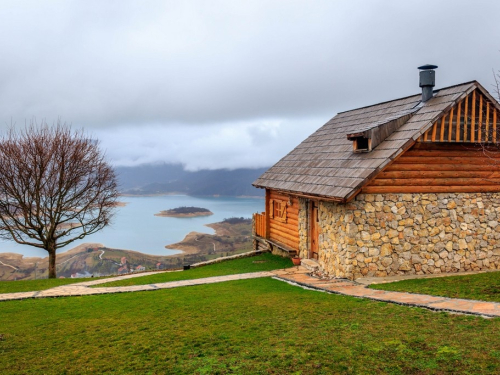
(228,84)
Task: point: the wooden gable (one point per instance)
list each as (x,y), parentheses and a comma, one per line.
(472,120)
(459,153)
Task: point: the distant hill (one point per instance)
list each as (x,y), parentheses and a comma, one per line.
(172,178)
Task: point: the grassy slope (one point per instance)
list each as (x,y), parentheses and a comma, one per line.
(483,286)
(263,262)
(258,326)
(32,285)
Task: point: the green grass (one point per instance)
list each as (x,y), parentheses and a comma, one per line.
(482,286)
(35,285)
(263,262)
(259,326)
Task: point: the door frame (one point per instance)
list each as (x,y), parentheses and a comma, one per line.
(313,229)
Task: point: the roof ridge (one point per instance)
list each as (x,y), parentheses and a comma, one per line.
(407,97)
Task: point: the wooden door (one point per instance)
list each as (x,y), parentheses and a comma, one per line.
(314,230)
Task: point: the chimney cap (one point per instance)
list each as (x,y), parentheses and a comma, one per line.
(427,67)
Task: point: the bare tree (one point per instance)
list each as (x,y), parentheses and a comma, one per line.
(496,85)
(55,187)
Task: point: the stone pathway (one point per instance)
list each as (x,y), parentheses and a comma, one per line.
(296,275)
(82,289)
(300,276)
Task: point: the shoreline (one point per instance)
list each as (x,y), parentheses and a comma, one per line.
(194,196)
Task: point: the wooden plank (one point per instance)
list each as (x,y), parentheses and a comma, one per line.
(283,237)
(441,135)
(443,160)
(480,152)
(494,125)
(473,118)
(487,135)
(450,124)
(435,174)
(434,130)
(275,228)
(429,189)
(442,167)
(436,182)
(426,135)
(480,122)
(268,193)
(466,119)
(293,225)
(459,121)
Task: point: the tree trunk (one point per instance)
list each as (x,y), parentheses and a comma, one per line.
(51,248)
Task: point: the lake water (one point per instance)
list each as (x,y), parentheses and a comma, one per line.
(136,228)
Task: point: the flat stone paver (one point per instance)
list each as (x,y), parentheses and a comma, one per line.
(82,289)
(297,275)
(354,289)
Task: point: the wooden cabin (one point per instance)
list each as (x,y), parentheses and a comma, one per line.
(410,186)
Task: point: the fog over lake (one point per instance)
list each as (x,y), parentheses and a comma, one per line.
(135,227)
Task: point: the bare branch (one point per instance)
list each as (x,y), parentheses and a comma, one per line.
(55,187)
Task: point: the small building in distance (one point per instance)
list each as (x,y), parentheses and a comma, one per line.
(409,186)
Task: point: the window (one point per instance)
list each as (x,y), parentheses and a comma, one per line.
(277,210)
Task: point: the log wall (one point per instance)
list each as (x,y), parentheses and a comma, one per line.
(441,168)
(287,232)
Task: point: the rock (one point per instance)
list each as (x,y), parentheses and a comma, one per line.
(373,252)
(404,265)
(369,207)
(386,262)
(386,249)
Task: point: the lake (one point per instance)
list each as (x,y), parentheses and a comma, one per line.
(135,227)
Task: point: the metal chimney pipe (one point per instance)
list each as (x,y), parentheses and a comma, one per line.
(427,80)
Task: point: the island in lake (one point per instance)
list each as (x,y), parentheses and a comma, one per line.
(185,212)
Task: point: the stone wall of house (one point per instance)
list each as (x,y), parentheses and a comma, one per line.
(395,234)
(303,229)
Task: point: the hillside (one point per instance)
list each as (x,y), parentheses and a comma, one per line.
(172,178)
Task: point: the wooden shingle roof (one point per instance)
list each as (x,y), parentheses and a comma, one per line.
(324,164)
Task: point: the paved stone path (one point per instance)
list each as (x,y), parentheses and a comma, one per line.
(297,275)
(82,289)
(301,277)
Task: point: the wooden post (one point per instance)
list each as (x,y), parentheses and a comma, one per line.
(450,125)
(457,132)
(473,118)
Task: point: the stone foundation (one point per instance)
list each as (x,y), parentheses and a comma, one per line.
(398,234)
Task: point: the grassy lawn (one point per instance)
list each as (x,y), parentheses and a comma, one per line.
(483,286)
(35,285)
(259,326)
(263,262)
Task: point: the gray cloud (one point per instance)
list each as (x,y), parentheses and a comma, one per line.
(226,83)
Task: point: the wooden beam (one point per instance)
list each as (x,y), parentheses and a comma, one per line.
(487,132)
(442,167)
(494,125)
(480,122)
(434,130)
(402,175)
(457,131)
(429,189)
(445,160)
(473,118)
(466,119)
(437,182)
(450,125)
(441,136)
(426,134)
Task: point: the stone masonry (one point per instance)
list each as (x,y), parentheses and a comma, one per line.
(398,234)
